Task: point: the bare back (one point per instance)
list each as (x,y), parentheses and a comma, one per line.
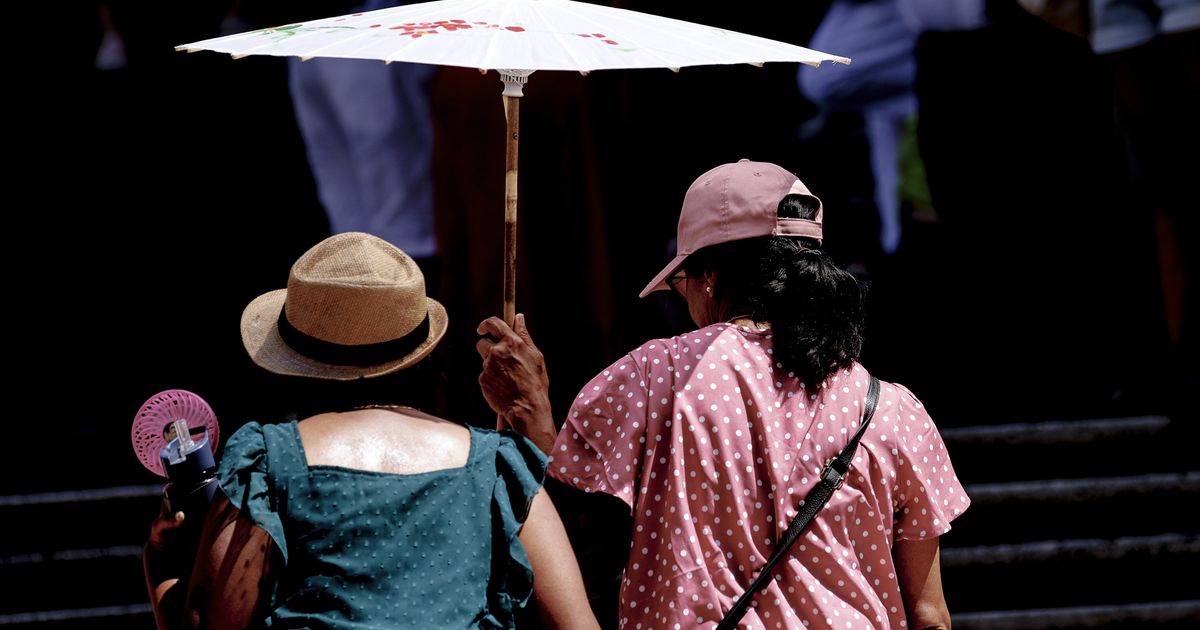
(397,440)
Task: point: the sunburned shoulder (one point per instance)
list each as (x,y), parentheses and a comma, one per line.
(385,440)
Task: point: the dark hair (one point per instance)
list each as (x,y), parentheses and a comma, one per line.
(816,309)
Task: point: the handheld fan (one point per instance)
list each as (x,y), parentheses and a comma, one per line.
(174,435)
(166,417)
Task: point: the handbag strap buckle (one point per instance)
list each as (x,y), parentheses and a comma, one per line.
(834,472)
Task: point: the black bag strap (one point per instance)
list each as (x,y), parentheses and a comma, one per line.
(831,479)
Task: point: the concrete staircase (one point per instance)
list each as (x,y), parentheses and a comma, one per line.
(72,559)
(1075,524)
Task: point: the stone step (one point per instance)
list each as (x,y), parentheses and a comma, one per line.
(134,617)
(1161,615)
(1052,509)
(95,518)
(82,579)
(1070,573)
(1065,449)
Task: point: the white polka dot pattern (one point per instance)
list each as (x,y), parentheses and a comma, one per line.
(712,445)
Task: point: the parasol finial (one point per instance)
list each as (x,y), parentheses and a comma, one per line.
(514,81)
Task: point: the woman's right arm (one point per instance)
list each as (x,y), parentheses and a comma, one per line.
(558,588)
(225,588)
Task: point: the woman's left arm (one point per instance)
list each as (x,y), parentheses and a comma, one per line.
(558,589)
(918,566)
(225,589)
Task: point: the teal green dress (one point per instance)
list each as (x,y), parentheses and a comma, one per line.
(364,550)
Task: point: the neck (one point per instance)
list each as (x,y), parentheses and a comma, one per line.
(748,321)
(389,407)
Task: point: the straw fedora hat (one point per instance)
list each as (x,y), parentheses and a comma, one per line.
(354,307)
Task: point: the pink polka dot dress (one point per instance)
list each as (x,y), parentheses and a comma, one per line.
(713,447)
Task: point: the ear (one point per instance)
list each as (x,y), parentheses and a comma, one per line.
(710,277)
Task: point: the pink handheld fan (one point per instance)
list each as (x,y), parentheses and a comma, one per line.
(174,435)
(157,424)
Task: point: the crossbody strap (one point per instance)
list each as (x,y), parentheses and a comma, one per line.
(832,477)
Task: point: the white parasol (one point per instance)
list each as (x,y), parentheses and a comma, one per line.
(514,38)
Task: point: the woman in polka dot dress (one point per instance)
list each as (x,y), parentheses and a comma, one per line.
(366,515)
(711,439)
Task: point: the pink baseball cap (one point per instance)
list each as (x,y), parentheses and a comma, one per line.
(732,202)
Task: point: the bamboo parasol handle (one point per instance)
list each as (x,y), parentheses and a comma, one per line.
(512,114)
(513,80)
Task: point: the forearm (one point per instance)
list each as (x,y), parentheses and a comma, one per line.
(599,527)
(931,626)
(532,417)
(558,589)
(165,587)
(918,564)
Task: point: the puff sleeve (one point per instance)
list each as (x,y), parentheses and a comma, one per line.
(601,445)
(928,494)
(520,472)
(245,480)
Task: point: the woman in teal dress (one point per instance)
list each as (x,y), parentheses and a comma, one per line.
(371,514)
